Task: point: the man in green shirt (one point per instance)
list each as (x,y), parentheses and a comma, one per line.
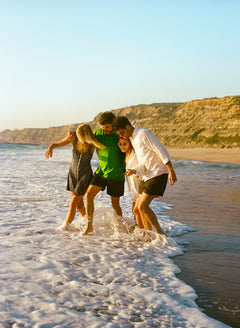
(110,172)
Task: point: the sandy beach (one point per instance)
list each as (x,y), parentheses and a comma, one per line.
(211,206)
(207,154)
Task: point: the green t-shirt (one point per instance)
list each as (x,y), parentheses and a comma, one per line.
(111,160)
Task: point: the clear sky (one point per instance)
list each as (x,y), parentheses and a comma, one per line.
(64,61)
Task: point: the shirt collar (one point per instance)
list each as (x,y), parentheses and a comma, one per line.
(135,131)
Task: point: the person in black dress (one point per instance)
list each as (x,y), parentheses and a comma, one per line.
(80,172)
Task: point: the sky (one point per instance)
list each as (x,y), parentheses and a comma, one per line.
(64,61)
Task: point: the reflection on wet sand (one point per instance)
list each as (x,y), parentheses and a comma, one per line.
(211,265)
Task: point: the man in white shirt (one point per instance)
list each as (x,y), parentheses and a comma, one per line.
(158,168)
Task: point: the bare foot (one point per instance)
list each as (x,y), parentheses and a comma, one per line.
(89,229)
(68,227)
(150,234)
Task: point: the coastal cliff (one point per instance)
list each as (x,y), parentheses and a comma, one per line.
(212,122)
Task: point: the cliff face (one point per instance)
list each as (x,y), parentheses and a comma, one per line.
(36,136)
(199,123)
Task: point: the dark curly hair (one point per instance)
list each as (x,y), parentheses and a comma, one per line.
(121,122)
(106,118)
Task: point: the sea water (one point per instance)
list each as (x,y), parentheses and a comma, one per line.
(55,278)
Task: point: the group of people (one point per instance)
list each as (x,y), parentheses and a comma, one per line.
(123,150)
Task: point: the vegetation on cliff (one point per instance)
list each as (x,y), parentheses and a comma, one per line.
(212,122)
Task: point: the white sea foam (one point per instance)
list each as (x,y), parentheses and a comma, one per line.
(50,277)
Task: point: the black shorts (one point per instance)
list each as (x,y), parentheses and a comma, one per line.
(155,186)
(115,188)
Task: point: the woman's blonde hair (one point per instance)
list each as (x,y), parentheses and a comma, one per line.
(85,134)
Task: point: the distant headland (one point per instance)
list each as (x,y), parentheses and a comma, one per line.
(211,122)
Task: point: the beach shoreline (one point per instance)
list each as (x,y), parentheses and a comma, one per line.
(210,204)
(228,155)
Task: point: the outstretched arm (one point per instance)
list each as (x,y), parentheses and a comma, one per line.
(61,143)
(172,174)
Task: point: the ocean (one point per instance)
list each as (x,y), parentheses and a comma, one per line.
(55,278)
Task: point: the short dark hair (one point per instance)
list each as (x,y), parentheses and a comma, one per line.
(121,122)
(106,118)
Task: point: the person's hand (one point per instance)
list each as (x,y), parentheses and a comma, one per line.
(130,172)
(49,152)
(172,177)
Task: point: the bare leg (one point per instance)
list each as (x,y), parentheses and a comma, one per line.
(137,215)
(72,208)
(116,205)
(147,214)
(81,208)
(145,223)
(90,195)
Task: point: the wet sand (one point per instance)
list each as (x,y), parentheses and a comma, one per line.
(212,261)
(207,154)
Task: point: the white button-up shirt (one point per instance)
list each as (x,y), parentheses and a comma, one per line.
(133,181)
(150,153)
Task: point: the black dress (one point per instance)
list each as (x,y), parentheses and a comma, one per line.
(80,172)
